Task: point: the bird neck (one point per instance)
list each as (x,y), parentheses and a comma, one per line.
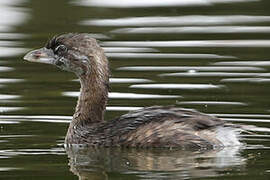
(93,97)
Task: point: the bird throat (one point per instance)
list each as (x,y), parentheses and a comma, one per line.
(93,96)
(91,102)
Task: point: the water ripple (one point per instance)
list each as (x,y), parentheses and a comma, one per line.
(12,36)
(117,95)
(194,30)
(152,3)
(167,55)
(8,122)
(122,108)
(129,80)
(209,74)
(243,63)
(9,80)
(16,152)
(192,43)
(5,69)
(10,43)
(10,15)
(190,68)
(243,115)
(6,96)
(12,51)
(248,120)
(249,80)
(212,103)
(8,109)
(125,80)
(177,86)
(21,118)
(128,50)
(188,20)
(9,168)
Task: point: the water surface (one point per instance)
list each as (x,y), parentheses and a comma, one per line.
(208,55)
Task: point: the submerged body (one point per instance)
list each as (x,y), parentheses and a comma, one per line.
(149,127)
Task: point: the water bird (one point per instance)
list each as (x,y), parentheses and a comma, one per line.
(149,127)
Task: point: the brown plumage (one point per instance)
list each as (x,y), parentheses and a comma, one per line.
(148,127)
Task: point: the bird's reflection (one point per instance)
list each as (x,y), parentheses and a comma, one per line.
(101,163)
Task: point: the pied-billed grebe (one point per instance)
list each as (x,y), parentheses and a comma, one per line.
(155,126)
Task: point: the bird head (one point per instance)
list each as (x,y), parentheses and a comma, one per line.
(78,53)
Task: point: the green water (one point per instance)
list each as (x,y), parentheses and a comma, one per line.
(209,55)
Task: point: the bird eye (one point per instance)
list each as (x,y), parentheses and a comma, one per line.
(60,49)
